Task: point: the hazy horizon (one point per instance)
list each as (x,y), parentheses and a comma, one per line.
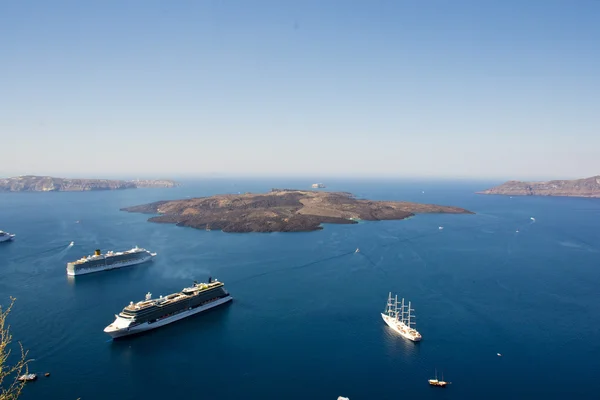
(394,90)
(309,179)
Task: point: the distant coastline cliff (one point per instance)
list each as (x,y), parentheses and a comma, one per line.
(588,187)
(31,183)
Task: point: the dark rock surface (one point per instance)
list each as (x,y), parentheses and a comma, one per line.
(588,187)
(281,210)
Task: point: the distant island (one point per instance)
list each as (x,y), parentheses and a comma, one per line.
(588,187)
(31,183)
(281,210)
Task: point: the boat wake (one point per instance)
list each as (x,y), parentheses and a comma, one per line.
(46,253)
(63,252)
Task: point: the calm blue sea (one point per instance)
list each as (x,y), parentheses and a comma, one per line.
(305,322)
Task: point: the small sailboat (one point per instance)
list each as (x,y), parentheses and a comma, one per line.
(436,382)
(357,250)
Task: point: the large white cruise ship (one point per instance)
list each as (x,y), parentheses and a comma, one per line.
(154,313)
(111,260)
(5,236)
(399,319)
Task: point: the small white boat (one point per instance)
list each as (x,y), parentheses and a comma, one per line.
(533,219)
(27,377)
(441,227)
(357,250)
(5,236)
(436,382)
(499,355)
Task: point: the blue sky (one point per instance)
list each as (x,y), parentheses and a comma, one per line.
(448,89)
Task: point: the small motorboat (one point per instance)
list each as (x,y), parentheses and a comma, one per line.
(27,377)
(5,236)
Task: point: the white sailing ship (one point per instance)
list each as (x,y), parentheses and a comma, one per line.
(399,318)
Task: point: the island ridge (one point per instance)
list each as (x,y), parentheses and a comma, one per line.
(32,183)
(281,210)
(588,187)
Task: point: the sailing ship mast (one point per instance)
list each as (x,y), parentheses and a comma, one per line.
(388,309)
(410,316)
(402,319)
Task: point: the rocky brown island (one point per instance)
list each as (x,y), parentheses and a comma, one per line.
(588,187)
(32,183)
(281,210)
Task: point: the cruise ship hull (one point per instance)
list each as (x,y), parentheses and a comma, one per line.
(90,270)
(115,332)
(400,328)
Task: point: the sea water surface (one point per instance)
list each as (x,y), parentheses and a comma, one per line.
(305,322)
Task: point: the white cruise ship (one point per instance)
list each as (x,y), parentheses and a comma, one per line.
(153,313)
(399,319)
(5,236)
(111,260)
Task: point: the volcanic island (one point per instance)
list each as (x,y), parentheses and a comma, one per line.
(587,187)
(281,210)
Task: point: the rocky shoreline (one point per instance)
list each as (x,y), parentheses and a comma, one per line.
(31,183)
(588,187)
(281,210)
